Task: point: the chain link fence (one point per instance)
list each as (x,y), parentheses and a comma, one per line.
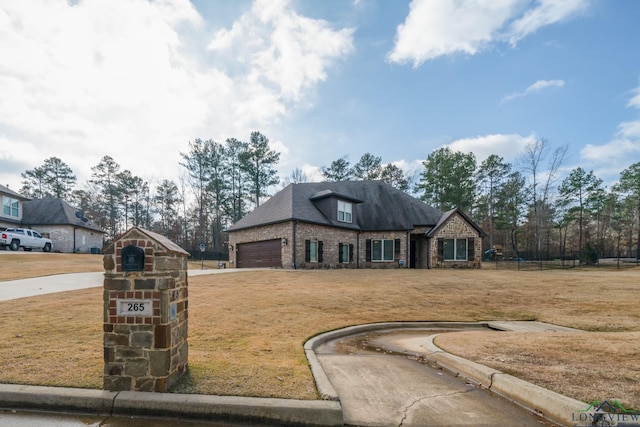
(589,259)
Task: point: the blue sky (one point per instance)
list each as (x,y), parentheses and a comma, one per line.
(137,80)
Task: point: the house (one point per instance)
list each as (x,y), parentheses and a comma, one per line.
(11,214)
(68,229)
(353,224)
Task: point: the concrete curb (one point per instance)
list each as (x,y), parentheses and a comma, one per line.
(546,403)
(186,406)
(56,399)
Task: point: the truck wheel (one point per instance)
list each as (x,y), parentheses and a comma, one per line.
(47,248)
(14,245)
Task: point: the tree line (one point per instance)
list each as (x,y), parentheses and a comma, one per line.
(222,182)
(531,207)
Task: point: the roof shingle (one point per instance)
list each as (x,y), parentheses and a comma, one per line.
(53,211)
(379,206)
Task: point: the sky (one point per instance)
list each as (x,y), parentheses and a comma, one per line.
(137,80)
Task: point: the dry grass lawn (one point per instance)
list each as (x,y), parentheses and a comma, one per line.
(246,330)
(21,265)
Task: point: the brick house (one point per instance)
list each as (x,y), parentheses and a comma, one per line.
(54,218)
(353,224)
(68,229)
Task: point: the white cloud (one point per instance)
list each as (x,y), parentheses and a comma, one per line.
(545,13)
(630,130)
(624,146)
(282,48)
(635,100)
(534,88)
(617,154)
(616,150)
(279,146)
(435,28)
(313,173)
(508,146)
(117,78)
(100,78)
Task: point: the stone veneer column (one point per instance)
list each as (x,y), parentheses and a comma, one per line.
(145,313)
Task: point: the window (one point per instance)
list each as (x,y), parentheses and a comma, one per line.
(382,250)
(455,249)
(344,211)
(345,253)
(10,207)
(312,251)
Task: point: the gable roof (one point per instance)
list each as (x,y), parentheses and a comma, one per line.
(141,233)
(449,214)
(137,232)
(53,211)
(378,206)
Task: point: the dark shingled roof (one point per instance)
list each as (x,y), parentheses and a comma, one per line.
(53,211)
(378,205)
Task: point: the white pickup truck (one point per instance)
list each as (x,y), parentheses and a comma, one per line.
(16,238)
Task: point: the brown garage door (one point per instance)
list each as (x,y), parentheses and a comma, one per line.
(265,253)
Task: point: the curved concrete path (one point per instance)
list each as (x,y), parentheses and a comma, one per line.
(383,390)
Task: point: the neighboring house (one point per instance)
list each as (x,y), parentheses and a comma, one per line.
(353,224)
(52,217)
(11,214)
(67,228)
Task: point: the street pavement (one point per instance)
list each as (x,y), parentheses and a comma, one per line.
(31,419)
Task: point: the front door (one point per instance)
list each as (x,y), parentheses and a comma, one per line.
(412,253)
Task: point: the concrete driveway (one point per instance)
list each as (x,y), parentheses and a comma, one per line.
(13,289)
(23,288)
(378,384)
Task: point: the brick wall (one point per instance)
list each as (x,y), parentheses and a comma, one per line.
(331,237)
(456,228)
(257,234)
(388,235)
(62,238)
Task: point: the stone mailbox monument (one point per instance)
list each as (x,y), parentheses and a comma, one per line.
(145,312)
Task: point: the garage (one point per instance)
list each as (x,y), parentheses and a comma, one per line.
(266,253)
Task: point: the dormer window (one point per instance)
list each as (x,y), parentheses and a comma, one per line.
(344,211)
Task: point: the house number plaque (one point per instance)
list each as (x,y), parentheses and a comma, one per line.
(135,307)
